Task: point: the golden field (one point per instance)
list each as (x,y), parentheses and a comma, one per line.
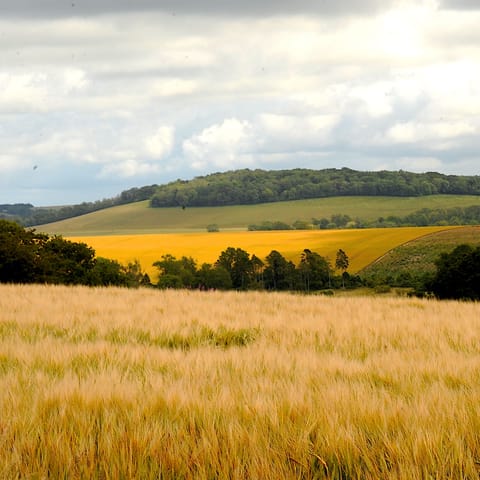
(115,383)
(361,246)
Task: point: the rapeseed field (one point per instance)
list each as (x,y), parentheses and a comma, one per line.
(361,246)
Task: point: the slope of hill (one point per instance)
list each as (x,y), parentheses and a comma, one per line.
(416,258)
(253,187)
(139,218)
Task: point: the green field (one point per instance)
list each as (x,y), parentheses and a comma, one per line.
(138,218)
(418,256)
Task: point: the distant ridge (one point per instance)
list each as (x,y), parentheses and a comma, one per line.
(252,187)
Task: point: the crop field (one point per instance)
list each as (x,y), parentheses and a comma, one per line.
(419,255)
(361,246)
(117,383)
(138,218)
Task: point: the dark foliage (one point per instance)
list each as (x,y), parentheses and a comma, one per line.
(30,257)
(458,274)
(237,269)
(244,187)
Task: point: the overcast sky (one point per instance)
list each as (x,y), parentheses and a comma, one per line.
(99,96)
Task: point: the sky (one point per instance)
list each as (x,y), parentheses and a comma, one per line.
(98,96)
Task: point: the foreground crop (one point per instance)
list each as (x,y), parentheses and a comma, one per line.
(113,383)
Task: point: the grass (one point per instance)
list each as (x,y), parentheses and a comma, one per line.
(417,257)
(361,246)
(138,218)
(271,385)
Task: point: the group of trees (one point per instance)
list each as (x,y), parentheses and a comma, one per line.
(237,269)
(243,187)
(457,275)
(421,218)
(30,257)
(26,214)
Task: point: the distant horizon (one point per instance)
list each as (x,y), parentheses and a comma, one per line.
(118,193)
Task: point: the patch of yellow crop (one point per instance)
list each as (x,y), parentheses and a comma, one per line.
(361,246)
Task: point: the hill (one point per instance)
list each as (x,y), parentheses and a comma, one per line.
(412,261)
(253,187)
(248,187)
(137,218)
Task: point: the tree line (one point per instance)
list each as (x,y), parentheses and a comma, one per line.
(30,257)
(27,256)
(420,218)
(236,269)
(247,187)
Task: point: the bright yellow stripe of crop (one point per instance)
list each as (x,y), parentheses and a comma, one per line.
(361,246)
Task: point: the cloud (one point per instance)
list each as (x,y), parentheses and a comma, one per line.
(60,8)
(129,168)
(226,145)
(161,143)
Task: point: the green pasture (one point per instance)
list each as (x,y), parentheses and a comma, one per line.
(137,218)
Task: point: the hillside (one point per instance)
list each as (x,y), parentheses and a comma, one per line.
(254,187)
(139,218)
(416,258)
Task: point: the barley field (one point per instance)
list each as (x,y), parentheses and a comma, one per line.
(362,246)
(114,383)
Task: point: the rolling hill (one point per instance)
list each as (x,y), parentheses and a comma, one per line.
(416,258)
(139,218)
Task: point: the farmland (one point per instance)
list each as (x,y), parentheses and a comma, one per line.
(362,246)
(138,218)
(115,383)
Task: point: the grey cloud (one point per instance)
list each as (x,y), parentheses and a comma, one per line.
(66,8)
(460,4)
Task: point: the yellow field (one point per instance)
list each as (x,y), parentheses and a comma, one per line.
(114,383)
(361,246)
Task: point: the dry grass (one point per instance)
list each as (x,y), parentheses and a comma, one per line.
(362,246)
(113,383)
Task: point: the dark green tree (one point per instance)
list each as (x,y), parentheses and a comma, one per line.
(176,273)
(314,271)
(458,274)
(238,264)
(341,263)
(279,273)
(213,277)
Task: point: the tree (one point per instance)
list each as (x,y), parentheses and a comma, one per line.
(213,277)
(458,274)
(238,264)
(176,273)
(314,270)
(279,273)
(66,262)
(341,263)
(19,253)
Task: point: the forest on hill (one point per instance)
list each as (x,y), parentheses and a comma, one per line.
(249,187)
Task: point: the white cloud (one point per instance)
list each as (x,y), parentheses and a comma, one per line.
(416,132)
(129,168)
(226,145)
(23,92)
(161,143)
(75,79)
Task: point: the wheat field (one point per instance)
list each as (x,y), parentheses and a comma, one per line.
(115,383)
